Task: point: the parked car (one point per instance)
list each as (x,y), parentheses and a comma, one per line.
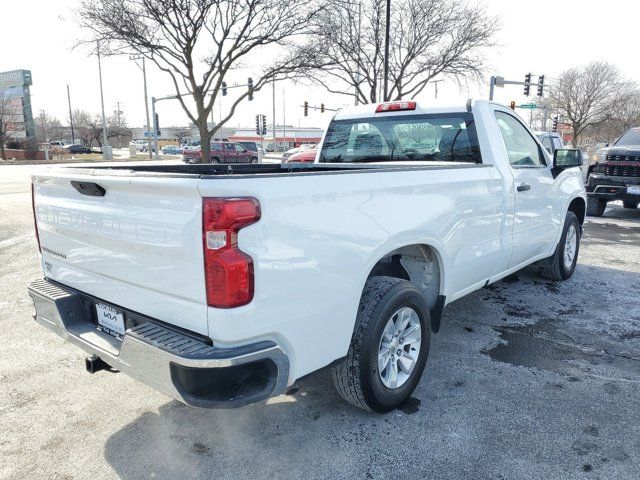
(57,143)
(141,145)
(172,150)
(254,147)
(616,175)
(293,151)
(306,156)
(381,238)
(222,152)
(78,149)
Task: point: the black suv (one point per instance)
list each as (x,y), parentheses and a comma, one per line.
(617,176)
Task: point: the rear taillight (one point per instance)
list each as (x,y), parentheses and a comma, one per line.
(35,218)
(228,271)
(395,106)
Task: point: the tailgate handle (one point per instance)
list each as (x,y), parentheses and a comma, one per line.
(88,188)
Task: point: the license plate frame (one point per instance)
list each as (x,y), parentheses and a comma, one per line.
(110,320)
(633,189)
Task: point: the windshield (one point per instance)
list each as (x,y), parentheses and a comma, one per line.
(632,137)
(435,137)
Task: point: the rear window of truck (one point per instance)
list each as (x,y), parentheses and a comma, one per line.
(430,137)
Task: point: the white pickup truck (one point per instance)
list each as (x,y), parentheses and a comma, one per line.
(221,285)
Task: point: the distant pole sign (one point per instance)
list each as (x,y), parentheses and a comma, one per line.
(14,85)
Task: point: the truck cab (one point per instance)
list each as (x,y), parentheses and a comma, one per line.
(616,175)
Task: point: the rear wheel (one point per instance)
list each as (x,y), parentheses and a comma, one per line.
(562,264)
(215,160)
(389,346)
(596,206)
(253,160)
(630,204)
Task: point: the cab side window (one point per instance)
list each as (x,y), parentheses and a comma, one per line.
(522,149)
(240,148)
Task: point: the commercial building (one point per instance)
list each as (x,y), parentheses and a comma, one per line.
(286,136)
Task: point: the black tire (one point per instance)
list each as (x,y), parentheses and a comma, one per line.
(630,204)
(253,160)
(356,377)
(215,160)
(554,267)
(596,206)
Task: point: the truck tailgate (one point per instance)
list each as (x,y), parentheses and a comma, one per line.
(139,246)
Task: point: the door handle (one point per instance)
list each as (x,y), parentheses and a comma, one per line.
(523,187)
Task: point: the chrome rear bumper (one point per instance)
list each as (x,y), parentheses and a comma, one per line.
(173,362)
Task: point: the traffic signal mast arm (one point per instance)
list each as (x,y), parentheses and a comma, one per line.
(320,107)
(497,81)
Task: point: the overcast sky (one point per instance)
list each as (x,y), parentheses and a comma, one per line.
(544,36)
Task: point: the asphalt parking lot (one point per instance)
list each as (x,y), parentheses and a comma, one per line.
(527,379)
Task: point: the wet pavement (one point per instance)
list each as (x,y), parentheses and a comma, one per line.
(526,379)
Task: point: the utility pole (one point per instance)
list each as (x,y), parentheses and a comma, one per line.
(146,99)
(273,112)
(73,136)
(46,135)
(386,52)
(155,127)
(105,148)
(284,123)
(358,78)
(118,112)
(436,82)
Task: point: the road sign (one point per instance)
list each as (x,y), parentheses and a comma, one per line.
(530,106)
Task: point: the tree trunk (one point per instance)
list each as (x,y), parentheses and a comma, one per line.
(3,156)
(205,141)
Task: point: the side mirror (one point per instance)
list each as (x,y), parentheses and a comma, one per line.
(567,158)
(564,158)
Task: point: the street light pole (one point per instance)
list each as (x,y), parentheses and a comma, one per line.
(105,156)
(386,52)
(73,136)
(146,100)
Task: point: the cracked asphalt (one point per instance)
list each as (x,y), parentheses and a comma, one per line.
(527,379)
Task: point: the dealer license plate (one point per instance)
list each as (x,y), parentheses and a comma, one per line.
(633,189)
(110,320)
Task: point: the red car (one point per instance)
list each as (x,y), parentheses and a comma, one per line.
(306,156)
(222,152)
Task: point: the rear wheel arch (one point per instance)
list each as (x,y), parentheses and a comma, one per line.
(420,264)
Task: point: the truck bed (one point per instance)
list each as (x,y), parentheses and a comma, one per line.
(215,170)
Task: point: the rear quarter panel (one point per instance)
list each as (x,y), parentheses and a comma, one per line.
(320,235)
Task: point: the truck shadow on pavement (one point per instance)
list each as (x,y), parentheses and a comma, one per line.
(501,351)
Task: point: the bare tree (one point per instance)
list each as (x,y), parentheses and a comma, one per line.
(117,128)
(48,126)
(181,134)
(588,96)
(88,127)
(197,43)
(624,118)
(11,120)
(429,38)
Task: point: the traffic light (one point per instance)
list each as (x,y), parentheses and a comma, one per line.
(258,124)
(157,124)
(264,124)
(540,85)
(555,123)
(250,85)
(527,84)
(224,89)
(322,108)
(512,105)
(306,108)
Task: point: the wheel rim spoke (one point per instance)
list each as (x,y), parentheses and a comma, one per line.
(399,348)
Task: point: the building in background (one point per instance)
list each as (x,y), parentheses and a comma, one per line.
(286,137)
(15,93)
